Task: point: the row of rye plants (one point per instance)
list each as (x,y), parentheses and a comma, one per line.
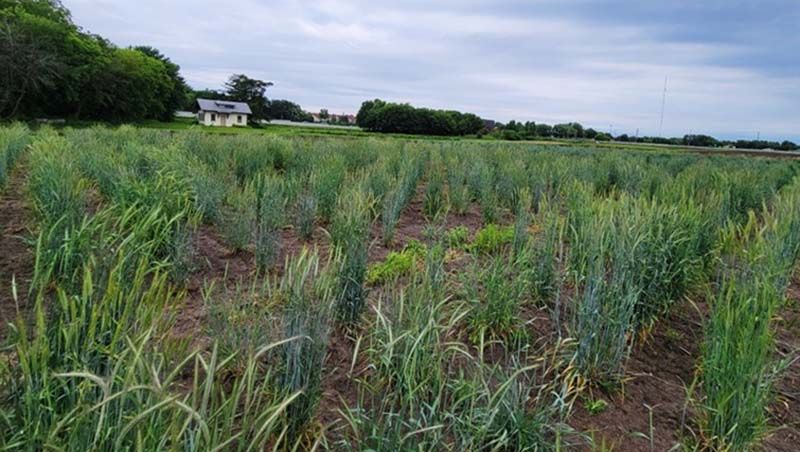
(638,232)
(13,140)
(740,360)
(95,366)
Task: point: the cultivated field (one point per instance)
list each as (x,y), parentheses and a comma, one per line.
(188,291)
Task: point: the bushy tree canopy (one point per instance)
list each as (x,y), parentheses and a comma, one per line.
(284,109)
(380,116)
(52,68)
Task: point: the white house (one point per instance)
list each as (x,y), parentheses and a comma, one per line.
(222,113)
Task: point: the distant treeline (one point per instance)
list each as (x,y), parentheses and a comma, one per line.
(49,67)
(387,117)
(530,130)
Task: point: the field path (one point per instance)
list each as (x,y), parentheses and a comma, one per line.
(785,411)
(16,257)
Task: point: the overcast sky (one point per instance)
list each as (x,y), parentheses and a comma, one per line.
(733,66)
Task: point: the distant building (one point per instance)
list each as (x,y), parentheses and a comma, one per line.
(222,113)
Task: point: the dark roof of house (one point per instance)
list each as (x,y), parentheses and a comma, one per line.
(224,106)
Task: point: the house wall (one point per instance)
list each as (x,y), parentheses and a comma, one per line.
(204,118)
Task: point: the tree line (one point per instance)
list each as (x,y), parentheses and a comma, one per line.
(529,130)
(387,117)
(49,67)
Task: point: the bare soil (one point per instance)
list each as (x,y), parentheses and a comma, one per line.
(16,257)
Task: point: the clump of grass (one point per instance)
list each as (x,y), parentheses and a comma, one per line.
(350,234)
(269,214)
(492,239)
(59,192)
(305,213)
(496,297)
(739,369)
(308,293)
(397,198)
(328,179)
(182,252)
(522,220)
(457,237)
(538,259)
(239,218)
(457,188)
(13,140)
(595,406)
(607,294)
(434,202)
(395,265)
(393,204)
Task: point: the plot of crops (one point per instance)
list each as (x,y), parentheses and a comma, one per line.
(190,291)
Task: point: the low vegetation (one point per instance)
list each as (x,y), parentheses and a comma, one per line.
(397,294)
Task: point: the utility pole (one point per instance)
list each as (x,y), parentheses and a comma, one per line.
(663,102)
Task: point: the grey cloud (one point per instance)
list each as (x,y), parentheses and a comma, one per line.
(597,62)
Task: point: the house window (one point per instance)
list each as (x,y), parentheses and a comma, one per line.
(213,117)
(239,119)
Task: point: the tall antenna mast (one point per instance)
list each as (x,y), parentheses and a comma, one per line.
(663,102)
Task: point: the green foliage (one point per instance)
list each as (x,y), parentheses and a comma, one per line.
(386,117)
(308,294)
(607,293)
(269,216)
(305,213)
(492,239)
(53,68)
(94,370)
(59,192)
(328,182)
(396,264)
(286,110)
(13,140)
(739,366)
(457,237)
(608,240)
(349,234)
(434,202)
(522,220)
(238,218)
(457,188)
(595,406)
(496,297)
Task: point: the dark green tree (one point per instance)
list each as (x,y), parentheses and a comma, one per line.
(242,88)
(176,96)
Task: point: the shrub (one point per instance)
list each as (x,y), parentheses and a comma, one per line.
(492,239)
(396,264)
